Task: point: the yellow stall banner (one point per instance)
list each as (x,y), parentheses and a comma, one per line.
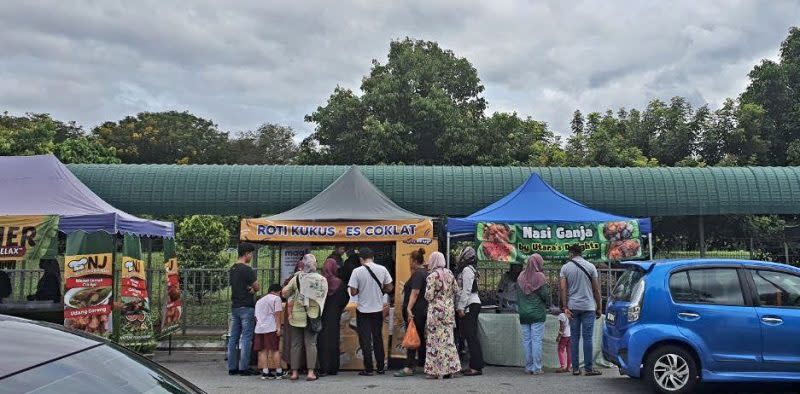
(265,230)
(26,237)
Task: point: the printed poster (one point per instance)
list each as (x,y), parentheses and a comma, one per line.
(607,241)
(291,254)
(136,326)
(171,313)
(88,282)
(26,237)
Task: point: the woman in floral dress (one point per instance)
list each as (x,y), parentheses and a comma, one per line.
(441,357)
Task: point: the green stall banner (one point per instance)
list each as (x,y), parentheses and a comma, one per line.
(172,310)
(515,242)
(89,282)
(28,239)
(136,323)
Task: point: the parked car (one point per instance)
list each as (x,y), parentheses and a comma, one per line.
(47,358)
(676,323)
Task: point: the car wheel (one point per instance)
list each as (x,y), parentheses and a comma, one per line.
(671,369)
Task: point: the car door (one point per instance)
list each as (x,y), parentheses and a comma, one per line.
(711,311)
(778,308)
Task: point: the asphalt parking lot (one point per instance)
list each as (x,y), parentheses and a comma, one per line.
(208,371)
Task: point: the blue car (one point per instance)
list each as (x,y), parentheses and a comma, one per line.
(677,323)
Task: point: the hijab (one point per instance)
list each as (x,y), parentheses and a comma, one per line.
(313,286)
(532,277)
(438,265)
(329,271)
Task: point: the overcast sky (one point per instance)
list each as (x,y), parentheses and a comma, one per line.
(244,63)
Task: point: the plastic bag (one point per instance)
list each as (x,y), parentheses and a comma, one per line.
(411,339)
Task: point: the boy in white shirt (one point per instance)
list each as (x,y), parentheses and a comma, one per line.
(267,333)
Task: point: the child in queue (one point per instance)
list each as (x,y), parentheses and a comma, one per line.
(267,333)
(563,341)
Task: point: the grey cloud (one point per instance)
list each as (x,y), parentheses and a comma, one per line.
(249,62)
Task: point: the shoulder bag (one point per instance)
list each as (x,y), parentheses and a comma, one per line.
(313,324)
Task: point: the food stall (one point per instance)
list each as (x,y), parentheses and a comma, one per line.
(44,200)
(536,218)
(350,211)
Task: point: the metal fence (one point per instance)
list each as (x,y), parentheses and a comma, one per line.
(206,292)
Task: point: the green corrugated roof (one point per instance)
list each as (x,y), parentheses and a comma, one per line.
(453,191)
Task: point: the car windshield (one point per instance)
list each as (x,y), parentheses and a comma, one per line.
(101,369)
(626,283)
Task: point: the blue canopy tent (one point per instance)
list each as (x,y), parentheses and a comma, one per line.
(42,185)
(536,202)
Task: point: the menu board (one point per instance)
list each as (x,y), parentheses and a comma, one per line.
(88,283)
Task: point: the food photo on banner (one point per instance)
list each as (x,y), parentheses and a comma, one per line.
(515,242)
(88,282)
(172,311)
(136,325)
(27,239)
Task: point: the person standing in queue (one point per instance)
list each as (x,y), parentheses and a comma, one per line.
(507,289)
(369,282)
(336,256)
(580,297)
(415,307)
(306,291)
(534,297)
(441,356)
(244,286)
(468,307)
(328,341)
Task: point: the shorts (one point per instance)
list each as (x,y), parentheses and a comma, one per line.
(268,342)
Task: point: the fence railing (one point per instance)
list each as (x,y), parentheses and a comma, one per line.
(206,292)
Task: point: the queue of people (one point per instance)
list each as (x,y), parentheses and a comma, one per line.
(443,307)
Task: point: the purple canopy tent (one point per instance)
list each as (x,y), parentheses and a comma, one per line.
(42,185)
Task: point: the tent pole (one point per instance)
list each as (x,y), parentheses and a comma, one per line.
(448,250)
(650,243)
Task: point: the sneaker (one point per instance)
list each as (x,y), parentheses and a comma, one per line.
(233,372)
(280,375)
(365,373)
(381,372)
(592,372)
(248,372)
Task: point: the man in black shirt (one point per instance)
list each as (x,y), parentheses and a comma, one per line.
(244,286)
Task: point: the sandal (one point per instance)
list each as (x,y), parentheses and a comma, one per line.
(431,377)
(403,374)
(576,372)
(562,370)
(472,373)
(311,378)
(294,377)
(593,372)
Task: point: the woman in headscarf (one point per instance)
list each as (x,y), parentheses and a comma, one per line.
(468,307)
(441,356)
(286,333)
(328,339)
(533,295)
(306,292)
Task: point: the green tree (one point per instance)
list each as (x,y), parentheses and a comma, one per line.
(164,137)
(31,134)
(421,107)
(269,144)
(676,137)
(200,241)
(576,151)
(85,150)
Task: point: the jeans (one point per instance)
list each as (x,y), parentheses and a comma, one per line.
(532,335)
(370,337)
(242,324)
(582,324)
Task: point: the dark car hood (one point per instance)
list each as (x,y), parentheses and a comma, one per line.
(25,344)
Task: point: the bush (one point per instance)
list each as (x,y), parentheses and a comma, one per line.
(199,242)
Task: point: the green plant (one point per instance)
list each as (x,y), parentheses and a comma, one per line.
(200,241)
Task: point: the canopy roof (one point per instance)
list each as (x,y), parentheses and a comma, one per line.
(349,197)
(42,185)
(536,202)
